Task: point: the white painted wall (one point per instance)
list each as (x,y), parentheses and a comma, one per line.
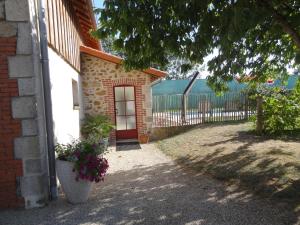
(66,119)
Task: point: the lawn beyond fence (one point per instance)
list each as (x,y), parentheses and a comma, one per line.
(168,110)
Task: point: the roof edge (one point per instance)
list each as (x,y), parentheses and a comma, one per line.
(91,8)
(117,60)
(85,19)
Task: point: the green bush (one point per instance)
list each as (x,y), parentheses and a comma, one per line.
(96,127)
(281,109)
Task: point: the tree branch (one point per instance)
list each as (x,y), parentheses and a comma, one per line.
(281,20)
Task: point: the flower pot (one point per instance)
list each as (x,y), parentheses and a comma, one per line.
(144,138)
(75,191)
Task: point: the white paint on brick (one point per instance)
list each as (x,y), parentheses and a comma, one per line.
(26,147)
(26,86)
(8,29)
(33,188)
(29,127)
(24,44)
(2,13)
(66,119)
(23,108)
(20,66)
(16,10)
(33,166)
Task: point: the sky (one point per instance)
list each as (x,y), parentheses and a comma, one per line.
(98,3)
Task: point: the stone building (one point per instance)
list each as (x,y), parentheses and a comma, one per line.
(48,83)
(103,78)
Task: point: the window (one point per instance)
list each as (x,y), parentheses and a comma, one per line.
(75,95)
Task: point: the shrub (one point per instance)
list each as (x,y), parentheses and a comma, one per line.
(281,109)
(96,127)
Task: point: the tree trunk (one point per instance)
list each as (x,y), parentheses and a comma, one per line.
(281,20)
(288,29)
(259,115)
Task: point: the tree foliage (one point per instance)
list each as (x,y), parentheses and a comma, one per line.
(253,37)
(108,46)
(174,68)
(281,109)
(179,68)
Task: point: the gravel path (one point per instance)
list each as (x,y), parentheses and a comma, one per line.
(145,187)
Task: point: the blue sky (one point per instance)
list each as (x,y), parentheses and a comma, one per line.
(98,3)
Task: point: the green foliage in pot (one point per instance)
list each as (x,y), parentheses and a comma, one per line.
(96,127)
(89,164)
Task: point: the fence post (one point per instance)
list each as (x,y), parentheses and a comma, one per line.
(180,110)
(183,109)
(203,106)
(246,106)
(259,115)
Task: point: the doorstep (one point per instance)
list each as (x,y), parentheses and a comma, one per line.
(129,141)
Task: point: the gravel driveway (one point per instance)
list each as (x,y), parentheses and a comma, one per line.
(145,187)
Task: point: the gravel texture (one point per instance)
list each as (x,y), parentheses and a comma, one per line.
(145,187)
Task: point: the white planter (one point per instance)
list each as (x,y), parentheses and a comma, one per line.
(75,191)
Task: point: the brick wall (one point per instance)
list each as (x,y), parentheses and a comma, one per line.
(98,80)
(23,165)
(10,169)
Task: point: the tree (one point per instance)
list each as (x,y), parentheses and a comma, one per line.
(254,38)
(179,68)
(173,68)
(108,46)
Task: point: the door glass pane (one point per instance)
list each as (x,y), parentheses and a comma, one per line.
(131,122)
(129,93)
(121,123)
(119,93)
(120,108)
(130,108)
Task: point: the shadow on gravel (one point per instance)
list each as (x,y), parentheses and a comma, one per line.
(162,194)
(270,178)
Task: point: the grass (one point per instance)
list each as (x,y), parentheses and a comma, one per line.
(267,166)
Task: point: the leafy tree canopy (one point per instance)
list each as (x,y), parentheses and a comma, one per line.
(253,37)
(107,46)
(173,68)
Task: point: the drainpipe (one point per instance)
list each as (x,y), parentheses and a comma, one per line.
(184,96)
(47,100)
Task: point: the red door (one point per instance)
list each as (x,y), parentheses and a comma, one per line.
(125,112)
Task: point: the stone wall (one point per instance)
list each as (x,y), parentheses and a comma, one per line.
(160,133)
(23,165)
(98,79)
(10,128)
